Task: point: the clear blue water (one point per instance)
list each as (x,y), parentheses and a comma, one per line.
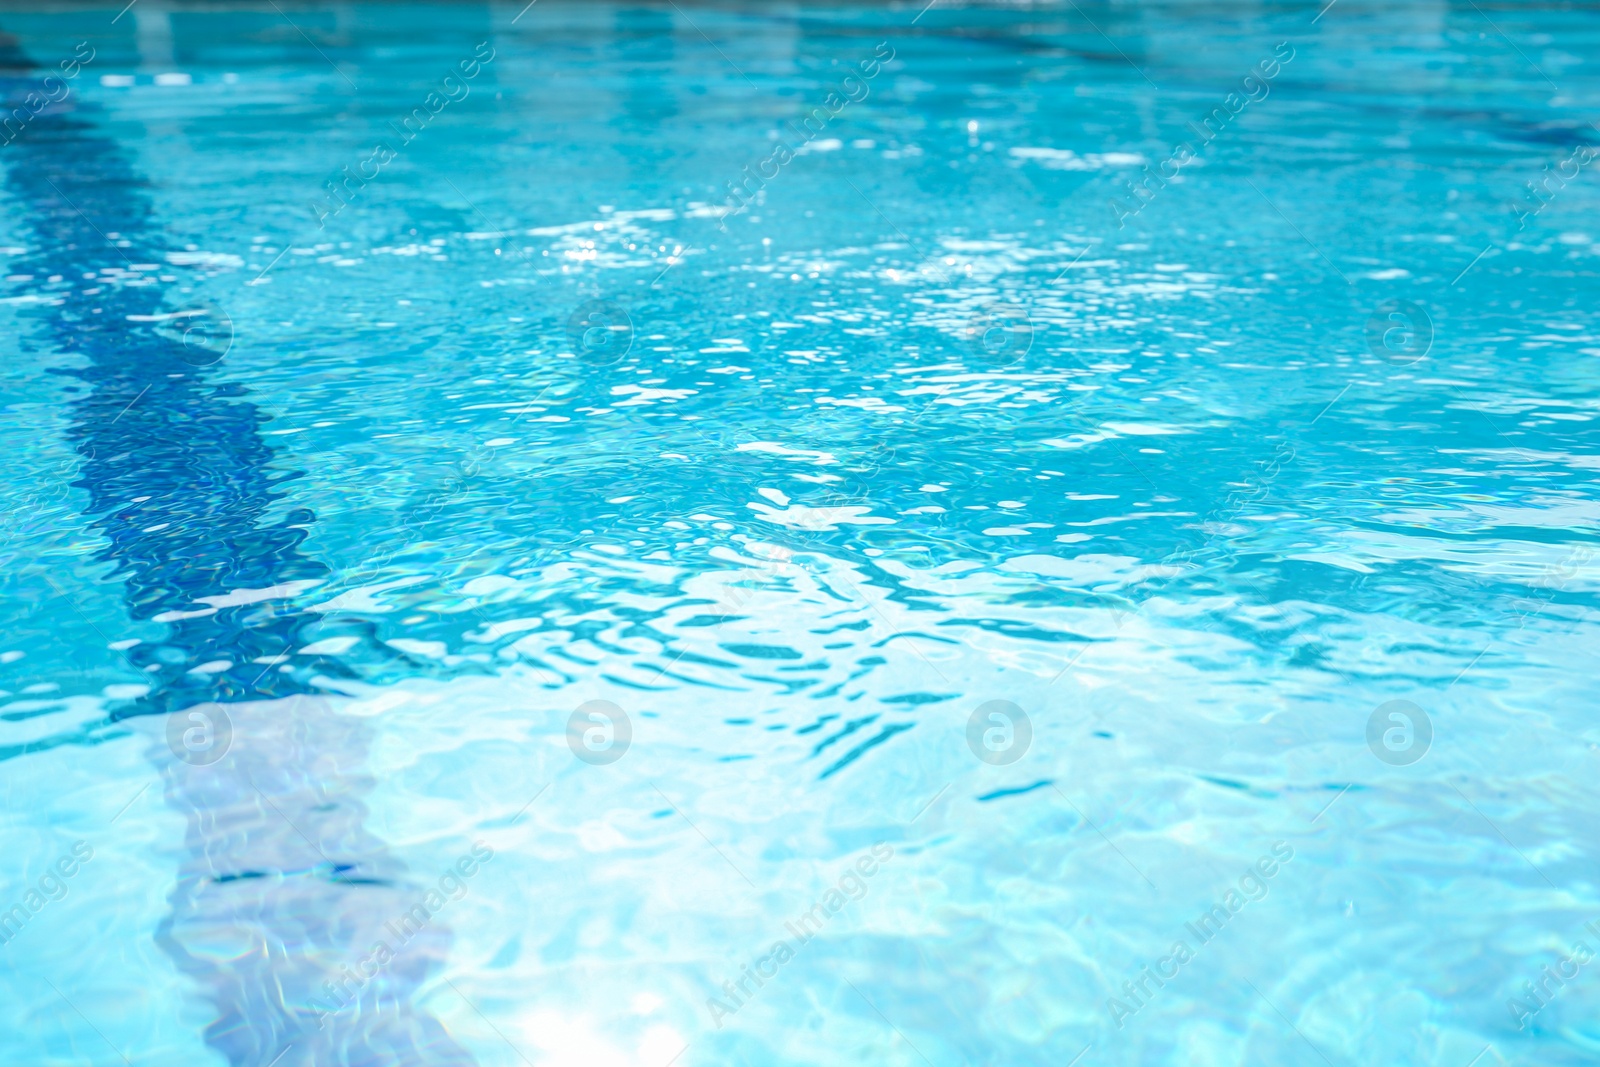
(953,609)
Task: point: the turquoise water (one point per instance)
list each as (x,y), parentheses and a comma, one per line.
(599,534)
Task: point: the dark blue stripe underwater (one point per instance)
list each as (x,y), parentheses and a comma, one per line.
(280,889)
(188,442)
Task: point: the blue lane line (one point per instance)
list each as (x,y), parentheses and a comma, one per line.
(182,485)
(153,425)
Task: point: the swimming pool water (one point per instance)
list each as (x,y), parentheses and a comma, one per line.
(770,534)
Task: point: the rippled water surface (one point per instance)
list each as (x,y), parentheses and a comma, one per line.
(598,534)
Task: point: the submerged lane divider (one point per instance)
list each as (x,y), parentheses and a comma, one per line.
(280,881)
